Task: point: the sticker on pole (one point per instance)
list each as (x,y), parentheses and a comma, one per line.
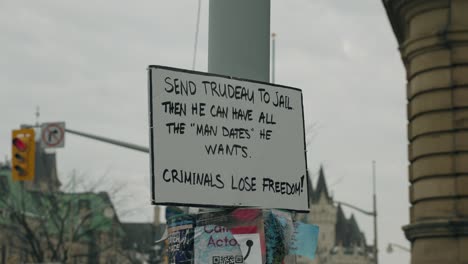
(218,244)
(53,135)
(222,141)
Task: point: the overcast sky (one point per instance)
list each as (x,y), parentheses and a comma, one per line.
(84,62)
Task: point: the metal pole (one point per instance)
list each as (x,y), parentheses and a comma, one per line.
(103,139)
(70,241)
(376,249)
(109,140)
(273,62)
(197,27)
(391,245)
(354,207)
(239,38)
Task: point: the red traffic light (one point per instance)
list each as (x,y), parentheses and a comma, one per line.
(19,144)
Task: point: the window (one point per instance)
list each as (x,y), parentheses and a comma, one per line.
(84,204)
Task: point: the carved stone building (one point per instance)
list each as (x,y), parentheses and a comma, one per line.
(340,239)
(433,41)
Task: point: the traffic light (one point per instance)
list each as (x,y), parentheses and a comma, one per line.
(23,150)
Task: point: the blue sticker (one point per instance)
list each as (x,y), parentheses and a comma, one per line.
(304,240)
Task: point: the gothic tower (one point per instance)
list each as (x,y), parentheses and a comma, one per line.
(323,213)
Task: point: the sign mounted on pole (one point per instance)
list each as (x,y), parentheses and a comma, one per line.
(222,141)
(53,135)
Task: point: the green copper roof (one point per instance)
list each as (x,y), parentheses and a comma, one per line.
(88,210)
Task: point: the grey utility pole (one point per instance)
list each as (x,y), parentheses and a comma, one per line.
(109,140)
(273,59)
(374,196)
(239,38)
(100,138)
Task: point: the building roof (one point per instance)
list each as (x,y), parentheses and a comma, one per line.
(347,231)
(102,215)
(322,188)
(341,228)
(310,186)
(392,7)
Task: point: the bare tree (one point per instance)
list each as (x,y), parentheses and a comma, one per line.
(58,226)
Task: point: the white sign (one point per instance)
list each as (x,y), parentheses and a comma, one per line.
(221,141)
(53,135)
(250,247)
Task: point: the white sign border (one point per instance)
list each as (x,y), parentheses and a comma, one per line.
(151,136)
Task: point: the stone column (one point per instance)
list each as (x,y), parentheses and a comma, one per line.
(433,40)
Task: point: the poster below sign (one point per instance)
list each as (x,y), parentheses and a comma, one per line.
(222,141)
(180,240)
(216,245)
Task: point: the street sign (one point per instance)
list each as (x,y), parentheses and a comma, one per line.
(223,141)
(53,135)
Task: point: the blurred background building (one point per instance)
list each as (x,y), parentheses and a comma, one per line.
(40,222)
(340,239)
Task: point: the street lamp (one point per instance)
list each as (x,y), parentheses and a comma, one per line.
(372,213)
(392,245)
